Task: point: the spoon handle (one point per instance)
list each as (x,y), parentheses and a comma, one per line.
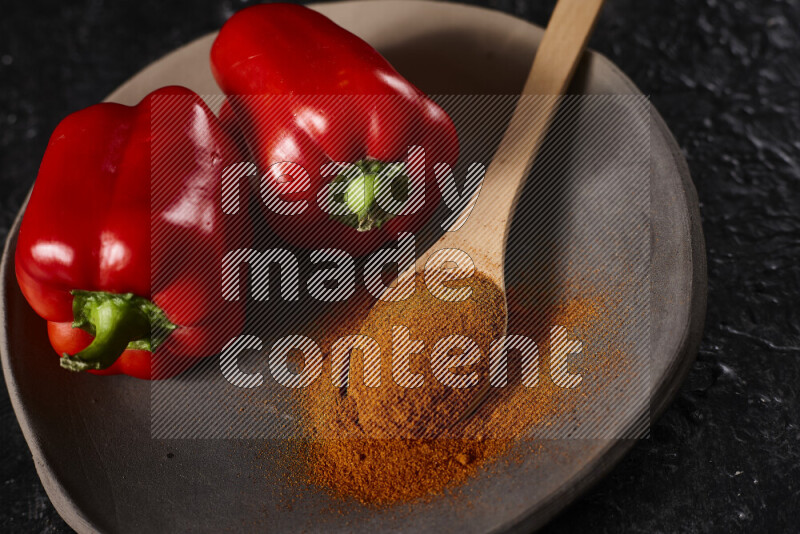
(557,57)
(563,43)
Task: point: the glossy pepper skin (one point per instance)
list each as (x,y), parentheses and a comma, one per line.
(104,253)
(309,92)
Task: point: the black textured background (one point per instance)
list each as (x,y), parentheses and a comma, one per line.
(725,75)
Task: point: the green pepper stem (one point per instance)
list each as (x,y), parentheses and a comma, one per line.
(361,185)
(117,322)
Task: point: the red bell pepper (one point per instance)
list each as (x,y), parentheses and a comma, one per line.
(309,92)
(121,243)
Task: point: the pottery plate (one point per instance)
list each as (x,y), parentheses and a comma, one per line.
(91,437)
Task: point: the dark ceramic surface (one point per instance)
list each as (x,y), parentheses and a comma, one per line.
(723,74)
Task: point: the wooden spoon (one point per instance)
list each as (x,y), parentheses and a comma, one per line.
(484,234)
